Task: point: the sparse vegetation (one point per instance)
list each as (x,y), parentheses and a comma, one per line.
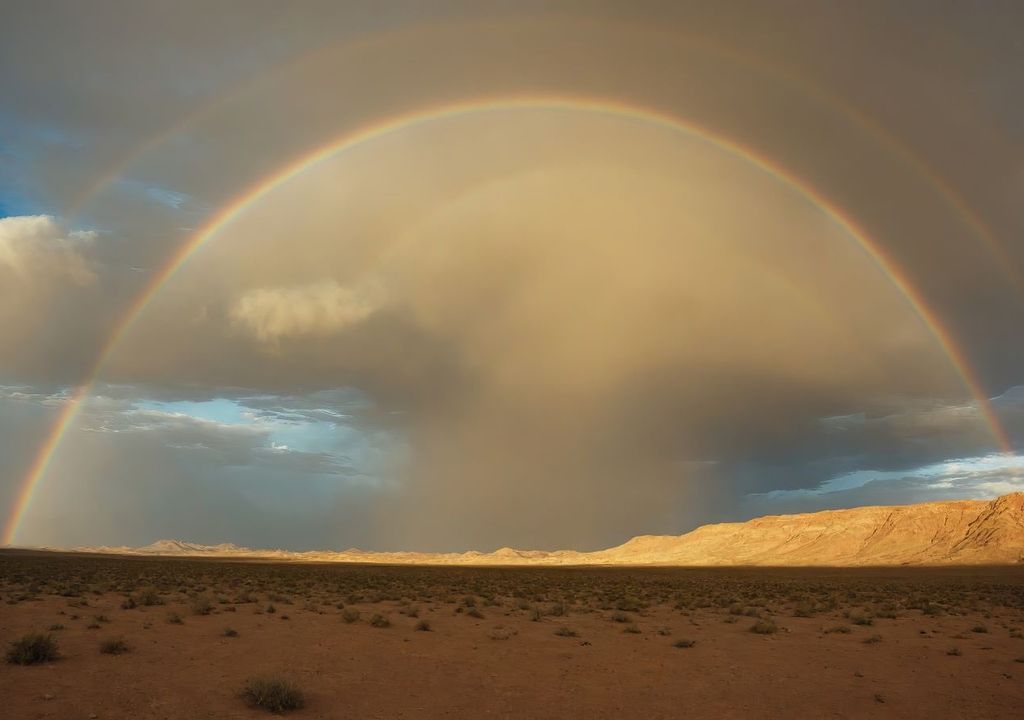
(350,615)
(202,605)
(764,626)
(273,693)
(113,646)
(597,603)
(32,649)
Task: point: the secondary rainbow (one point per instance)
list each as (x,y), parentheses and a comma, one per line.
(402,121)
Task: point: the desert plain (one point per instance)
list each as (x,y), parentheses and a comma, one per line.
(158,637)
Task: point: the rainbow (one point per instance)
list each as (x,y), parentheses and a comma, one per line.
(403,121)
(966,215)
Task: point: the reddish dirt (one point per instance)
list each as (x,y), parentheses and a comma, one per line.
(460,670)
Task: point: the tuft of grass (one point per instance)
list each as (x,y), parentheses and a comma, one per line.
(174,619)
(273,693)
(954,651)
(58,626)
(979,629)
(32,649)
(566,632)
(148,596)
(113,646)
(684,643)
(844,629)
(230,632)
(423,626)
(664,631)
(620,617)
(379,621)
(202,605)
(632,629)
(872,639)
(350,615)
(764,627)
(475,613)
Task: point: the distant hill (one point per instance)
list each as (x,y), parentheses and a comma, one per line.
(960,532)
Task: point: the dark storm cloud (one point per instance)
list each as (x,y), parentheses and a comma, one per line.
(896,133)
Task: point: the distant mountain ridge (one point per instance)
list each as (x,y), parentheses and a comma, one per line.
(959,532)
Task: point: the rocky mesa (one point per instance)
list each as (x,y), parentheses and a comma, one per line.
(959,532)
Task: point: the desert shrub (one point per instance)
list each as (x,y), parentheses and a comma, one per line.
(979,629)
(271,609)
(664,631)
(202,605)
(31,649)
(872,639)
(379,621)
(175,619)
(128,603)
(113,646)
(350,615)
(566,632)
(684,643)
(844,629)
(862,620)
(475,613)
(620,617)
(423,626)
(632,629)
(148,596)
(55,627)
(272,693)
(955,651)
(230,632)
(764,627)
(803,610)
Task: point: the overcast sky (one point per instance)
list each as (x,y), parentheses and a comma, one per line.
(602,281)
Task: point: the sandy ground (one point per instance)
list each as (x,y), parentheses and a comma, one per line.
(461,668)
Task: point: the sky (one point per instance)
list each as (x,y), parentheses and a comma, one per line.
(444,276)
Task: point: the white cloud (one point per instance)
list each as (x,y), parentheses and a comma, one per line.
(314,310)
(35,248)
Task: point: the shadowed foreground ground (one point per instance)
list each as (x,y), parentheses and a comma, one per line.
(943,643)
